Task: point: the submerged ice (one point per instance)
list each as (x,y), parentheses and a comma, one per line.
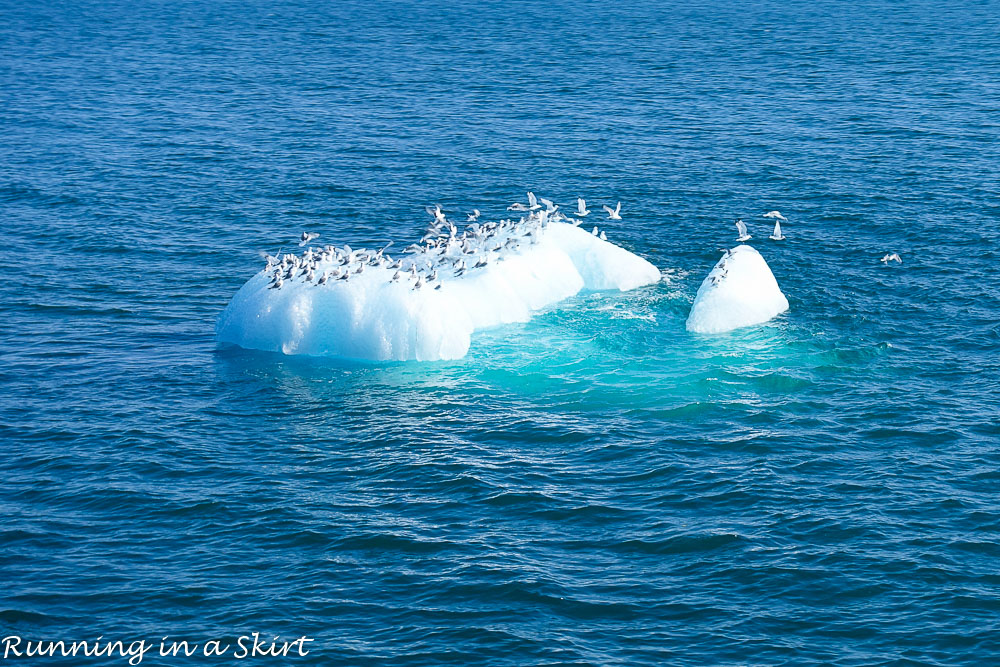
(364,304)
(739,291)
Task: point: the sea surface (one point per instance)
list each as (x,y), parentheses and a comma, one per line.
(594,487)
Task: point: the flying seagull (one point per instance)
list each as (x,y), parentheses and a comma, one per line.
(581,207)
(894,257)
(307,237)
(474,215)
(776,235)
(775,214)
(614,214)
(741,227)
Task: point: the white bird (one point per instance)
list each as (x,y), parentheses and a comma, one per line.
(594,231)
(549,206)
(603,237)
(775,214)
(307,237)
(533,204)
(616,213)
(437,213)
(776,235)
(474,215)
(581,207)
(894,257)
(741,227)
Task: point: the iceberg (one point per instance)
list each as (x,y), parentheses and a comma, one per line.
(739,291)
(427,305)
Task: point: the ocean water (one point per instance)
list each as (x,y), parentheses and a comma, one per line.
(596,486)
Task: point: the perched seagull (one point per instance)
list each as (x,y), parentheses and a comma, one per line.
(615,214)
(533,204)
(603,237)
(741,227)
(776,235)
(474,215)
(775,214)
(581,207)
(894,257)
(594,232)
(307,237)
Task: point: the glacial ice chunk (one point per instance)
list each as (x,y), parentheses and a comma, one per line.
(371,317)
(739,291)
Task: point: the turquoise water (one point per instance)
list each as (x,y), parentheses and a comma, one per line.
(595,486)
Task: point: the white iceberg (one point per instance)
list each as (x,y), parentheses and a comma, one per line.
(739,291)
(371,317)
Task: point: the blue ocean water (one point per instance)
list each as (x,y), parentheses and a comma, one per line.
(596,486)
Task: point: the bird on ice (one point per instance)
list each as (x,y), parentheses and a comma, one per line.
(614,214)
(776,215)
(307,237)
(776,235)
(894,257)
(741,227)
(602,236)
(581,207)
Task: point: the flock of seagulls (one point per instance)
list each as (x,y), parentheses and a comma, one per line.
(442,252)
(776,235)
(445,251)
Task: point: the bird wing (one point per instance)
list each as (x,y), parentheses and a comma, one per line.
(608,209)
(531,199)
(618,209)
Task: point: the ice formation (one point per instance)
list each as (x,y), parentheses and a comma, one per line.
(739,291)
(363,304)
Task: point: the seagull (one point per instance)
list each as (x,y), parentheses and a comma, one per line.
(396,276)
(307,237)
(603,237)
(278,282)
(436,212)
(549,206)
(594,232)
(775,214)
(894,257)
(474,215)
(581,207)
(533,204)
(776,235)
(741,227)
(616,213)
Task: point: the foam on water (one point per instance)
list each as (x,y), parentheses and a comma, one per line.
(739,291)
(371,317)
